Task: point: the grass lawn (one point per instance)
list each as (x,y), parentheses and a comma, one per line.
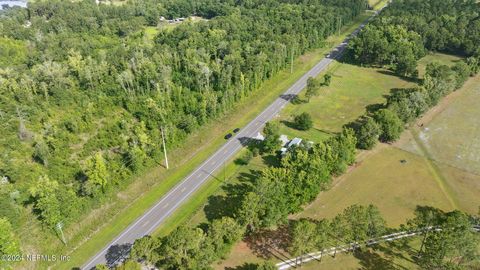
(352,89)
(380,179)
(451,140)
(377,4)
(444,59)
(381,257)
(97,229)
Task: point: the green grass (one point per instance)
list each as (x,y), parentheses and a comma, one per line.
(377,4)
(352,89)
(451,140)
(444,59)
(379,177)
(98,229)
(151,32)
(383,256)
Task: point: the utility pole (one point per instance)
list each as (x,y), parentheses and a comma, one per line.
(59,227)
(164,148)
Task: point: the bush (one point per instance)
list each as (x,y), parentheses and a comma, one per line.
(368,134)
(390,124)
(462,72)
(303,121)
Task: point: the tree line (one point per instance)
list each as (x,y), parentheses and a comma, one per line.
(386,122)
(448,240)
(84,90)
(407,29)
(397,39)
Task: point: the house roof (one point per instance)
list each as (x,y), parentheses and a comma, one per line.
(295,141)
(284,139)
(259,137)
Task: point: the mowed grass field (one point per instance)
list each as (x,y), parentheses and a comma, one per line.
(379,176)
(381,179)
(451,142)
(352,89)
(386,256)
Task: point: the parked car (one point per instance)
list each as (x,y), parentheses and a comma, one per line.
(228,136)
(236,130)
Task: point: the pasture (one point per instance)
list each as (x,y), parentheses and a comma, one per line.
(351,91)
(440,160)
(450,139)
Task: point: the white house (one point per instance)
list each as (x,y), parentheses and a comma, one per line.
(286,144)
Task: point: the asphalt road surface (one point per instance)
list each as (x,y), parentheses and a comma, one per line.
(115,251)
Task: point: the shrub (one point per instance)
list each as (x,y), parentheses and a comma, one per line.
(303,121)
(390,124)
(368,134)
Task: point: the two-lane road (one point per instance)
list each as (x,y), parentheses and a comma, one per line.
(149,221)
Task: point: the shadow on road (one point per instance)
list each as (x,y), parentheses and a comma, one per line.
(117,253)
(288,97)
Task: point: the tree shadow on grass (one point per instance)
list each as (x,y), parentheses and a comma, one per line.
(245,266)
(391,73)
(271,160)
(370,260)
(392,251)
(269,244)
(289,124)
(227,205)
(372,108)
(328,132)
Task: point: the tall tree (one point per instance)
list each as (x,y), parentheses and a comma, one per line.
(272,135)
(46,201)
(304,237)
(303,121)
(390,124)
(323,232)
(143,249)
(313,87)
(224,233)
(452,247)
(97,175)
(368,133)
(183,248)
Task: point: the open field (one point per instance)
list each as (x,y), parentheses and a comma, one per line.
(383,257)
(451,140)
(94,232)
(380,178)
(377,4)
(352,89)
(444,59)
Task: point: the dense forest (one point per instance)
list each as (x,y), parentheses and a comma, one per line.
(84,89)
(409,28)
